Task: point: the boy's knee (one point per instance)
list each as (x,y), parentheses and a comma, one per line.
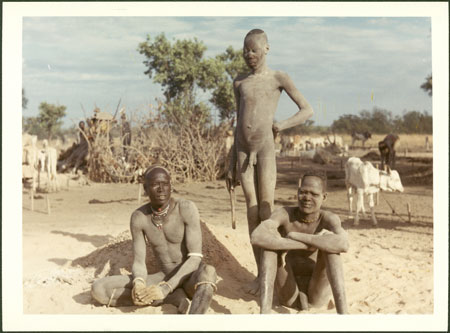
(208,273)
(98,292)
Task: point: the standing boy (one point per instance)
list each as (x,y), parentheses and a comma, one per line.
(253,160)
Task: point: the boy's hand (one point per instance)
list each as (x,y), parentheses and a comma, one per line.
(136,292)
(231,180)
(275,131)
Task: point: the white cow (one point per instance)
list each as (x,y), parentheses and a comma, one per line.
(316,142)
(365,179)
(48,159)
(29,159)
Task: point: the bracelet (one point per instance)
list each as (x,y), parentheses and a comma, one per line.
(206,282)
(167,284)
(193,254)
(139,279)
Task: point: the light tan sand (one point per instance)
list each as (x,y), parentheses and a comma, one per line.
(388,269)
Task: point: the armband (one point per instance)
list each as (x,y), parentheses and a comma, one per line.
(213,285)
(139,279)
(167,284)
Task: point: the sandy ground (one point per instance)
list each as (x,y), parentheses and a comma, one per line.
(388,269)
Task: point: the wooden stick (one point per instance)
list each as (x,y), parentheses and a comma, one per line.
(408,207)
(48,205)
(233,209)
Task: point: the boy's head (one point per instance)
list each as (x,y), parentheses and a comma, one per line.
(312,193)
(257,33)
(256,47)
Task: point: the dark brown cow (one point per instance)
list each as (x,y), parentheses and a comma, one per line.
(387,150)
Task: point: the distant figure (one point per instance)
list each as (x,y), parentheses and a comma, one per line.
(253,157)
(363,137)
(82,135)
(301,251)
(427,143)
(125,134)
(387,150)
(172,228)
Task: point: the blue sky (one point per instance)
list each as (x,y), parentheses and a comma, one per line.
(336,62)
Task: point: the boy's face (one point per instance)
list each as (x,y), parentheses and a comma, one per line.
(158,187)
(311,195)
(255,50)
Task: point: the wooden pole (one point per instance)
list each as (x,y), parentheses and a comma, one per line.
(408,206)
(48,205)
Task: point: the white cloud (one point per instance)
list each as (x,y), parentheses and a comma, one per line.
(324,56)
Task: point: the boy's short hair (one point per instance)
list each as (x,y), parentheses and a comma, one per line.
(257,32)
(153,167)
(316,173)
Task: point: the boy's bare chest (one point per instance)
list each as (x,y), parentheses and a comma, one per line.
(254,87)
(170,232)
(306,228)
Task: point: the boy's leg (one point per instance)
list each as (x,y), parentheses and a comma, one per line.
(319,286)
(286,284)
(335,273)
(200,287)
(116,290)
(248,180)
(269,266)
(328,272)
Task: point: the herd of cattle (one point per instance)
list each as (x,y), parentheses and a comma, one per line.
(361,178)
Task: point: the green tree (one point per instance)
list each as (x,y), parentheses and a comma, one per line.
(181,69)
(348,123)
(50,118)
(378,121)
(428,85)
(417,122)
(232,63)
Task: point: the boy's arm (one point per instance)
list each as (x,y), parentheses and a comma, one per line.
(139,269)
(266,234)
(193,241)
(305,110)
(334,239)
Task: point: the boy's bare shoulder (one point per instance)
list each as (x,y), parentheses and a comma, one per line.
(186,206)
(139,216)
(240,78)
(281,75)
(330,218)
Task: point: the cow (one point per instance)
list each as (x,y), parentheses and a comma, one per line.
(316,142)
(48,158)
(363,137)
(294,143)
(387,149)
(366,180)
(29,159)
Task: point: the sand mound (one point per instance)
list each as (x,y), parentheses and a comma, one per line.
(116,258)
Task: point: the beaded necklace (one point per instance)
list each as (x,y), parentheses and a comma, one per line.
(306,220)
(159,215)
